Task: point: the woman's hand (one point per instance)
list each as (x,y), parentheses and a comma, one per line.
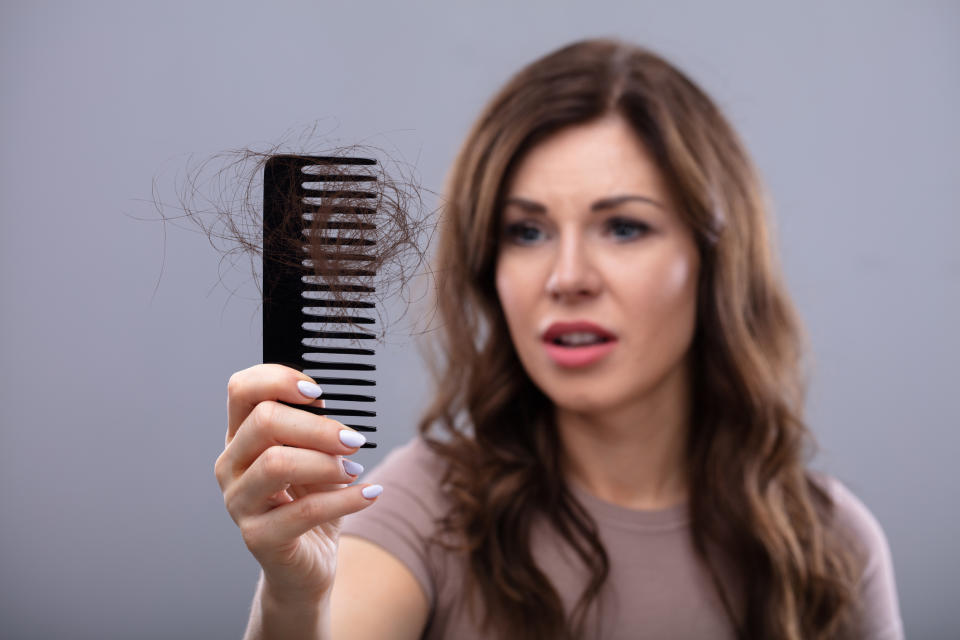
(287,500)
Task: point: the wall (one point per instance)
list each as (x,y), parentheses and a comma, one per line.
(119,333)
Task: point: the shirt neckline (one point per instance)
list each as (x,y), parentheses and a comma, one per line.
(669,518)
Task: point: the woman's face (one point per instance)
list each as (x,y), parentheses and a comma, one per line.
(596,272)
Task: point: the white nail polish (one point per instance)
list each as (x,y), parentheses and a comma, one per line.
(352,438)
(309,389)
(351,467)
(372,491)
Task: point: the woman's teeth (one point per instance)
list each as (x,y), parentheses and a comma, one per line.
(578,339)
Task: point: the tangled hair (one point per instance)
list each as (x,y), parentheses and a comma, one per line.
(366,227)
(760,521)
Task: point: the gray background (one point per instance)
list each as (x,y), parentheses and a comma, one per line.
(117,343)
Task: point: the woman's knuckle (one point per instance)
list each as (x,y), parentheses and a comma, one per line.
(229,503)
(252,533)
(220,471)
(234,384)
(265,413)
(312,508)
(276,462)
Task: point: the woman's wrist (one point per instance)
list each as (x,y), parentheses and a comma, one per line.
(294,598)
(287,615)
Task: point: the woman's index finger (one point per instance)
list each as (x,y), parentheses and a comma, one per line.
(249,387)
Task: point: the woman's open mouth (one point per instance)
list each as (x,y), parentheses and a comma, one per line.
(577,344)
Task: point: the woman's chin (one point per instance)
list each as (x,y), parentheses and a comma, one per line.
(585,401)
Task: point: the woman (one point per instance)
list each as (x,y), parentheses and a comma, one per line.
(620,405)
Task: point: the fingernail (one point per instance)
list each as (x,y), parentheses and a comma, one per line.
(372,491)
(309,389)
(351,467)
(352,438)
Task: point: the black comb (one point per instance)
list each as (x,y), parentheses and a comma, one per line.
(315,317)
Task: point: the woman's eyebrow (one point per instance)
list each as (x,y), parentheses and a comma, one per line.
(531,206)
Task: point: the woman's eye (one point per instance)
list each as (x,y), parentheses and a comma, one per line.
(621,229)
(523,233)
(625,229)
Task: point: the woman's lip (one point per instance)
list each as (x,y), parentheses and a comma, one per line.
(572,357)
(557,329)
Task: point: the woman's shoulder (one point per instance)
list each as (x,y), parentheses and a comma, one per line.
(879,615)
(852,517)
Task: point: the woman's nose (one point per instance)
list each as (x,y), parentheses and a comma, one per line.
(573,274)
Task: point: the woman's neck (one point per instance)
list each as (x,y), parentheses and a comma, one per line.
(634,455)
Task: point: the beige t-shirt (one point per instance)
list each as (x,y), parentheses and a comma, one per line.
(656,587)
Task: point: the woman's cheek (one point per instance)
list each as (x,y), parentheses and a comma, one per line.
(680,274)
(677,301)
(504,288)
(672,283)
(510,289)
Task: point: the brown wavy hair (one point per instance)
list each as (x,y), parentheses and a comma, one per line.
(760,521)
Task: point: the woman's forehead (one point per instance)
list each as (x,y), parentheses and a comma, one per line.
(600,159)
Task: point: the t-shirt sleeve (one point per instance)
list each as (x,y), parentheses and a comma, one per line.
(404,517)
(878,615)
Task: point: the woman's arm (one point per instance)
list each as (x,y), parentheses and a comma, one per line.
(271,617)
(375,595)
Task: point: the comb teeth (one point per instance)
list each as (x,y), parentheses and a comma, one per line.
(308,323)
